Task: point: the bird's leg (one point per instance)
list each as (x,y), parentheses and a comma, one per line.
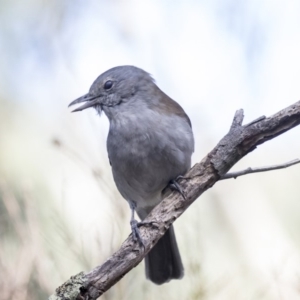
(174,185)
(134,225)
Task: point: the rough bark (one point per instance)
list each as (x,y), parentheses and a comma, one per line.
(239,141)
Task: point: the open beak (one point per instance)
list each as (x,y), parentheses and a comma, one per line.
(90,101)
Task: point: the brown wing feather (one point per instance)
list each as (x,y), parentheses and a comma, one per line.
(168,106)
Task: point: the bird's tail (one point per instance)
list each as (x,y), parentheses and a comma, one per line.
(163,262)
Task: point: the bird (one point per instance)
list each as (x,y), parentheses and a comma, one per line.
(150,143)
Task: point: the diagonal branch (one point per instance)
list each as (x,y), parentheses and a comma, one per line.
(238,142)
(261,169)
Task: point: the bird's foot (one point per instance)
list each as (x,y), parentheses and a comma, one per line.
(174,185)
(136,232)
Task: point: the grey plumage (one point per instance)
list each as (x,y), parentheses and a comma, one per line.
(150,143)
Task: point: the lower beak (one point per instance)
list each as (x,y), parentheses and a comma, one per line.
(90,101)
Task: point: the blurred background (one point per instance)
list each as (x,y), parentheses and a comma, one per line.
(60,212)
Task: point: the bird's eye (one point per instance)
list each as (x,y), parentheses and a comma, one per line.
(108,84)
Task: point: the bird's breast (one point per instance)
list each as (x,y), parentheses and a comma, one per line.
(146,153)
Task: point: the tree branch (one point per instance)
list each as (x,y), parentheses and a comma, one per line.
(237,143)
(261,169)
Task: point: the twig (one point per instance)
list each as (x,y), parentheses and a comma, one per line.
(261,169)
(239,141)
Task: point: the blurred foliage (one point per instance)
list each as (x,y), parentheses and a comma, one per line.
(23,254)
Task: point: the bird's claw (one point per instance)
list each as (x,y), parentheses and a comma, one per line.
(174,185)
(136,232)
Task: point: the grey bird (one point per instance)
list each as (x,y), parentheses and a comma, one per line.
(149,144)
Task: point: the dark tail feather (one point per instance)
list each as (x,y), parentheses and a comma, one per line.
(163,262)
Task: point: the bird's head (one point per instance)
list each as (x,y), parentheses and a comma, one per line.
(115,87)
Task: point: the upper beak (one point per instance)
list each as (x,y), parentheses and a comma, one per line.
(90,101)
